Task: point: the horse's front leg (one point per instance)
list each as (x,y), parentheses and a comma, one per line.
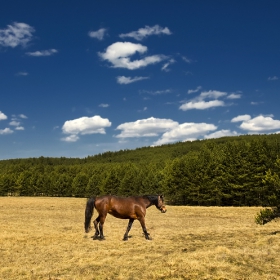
(142,222)
(96,221)
(125,238)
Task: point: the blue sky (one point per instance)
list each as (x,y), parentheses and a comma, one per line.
(78,78)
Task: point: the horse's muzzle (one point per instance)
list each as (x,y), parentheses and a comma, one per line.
(163,210)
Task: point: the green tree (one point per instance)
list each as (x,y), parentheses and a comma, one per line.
(94,186)
(130,183)
(79,185)
(112,179)
(272,190)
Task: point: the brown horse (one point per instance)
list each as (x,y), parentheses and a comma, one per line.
(132,208)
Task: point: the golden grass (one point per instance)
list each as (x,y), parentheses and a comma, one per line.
(43,238)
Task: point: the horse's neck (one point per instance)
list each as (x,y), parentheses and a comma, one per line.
(148,202)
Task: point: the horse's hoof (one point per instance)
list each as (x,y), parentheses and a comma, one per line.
(125,239)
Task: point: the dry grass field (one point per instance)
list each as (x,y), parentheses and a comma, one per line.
(43,238)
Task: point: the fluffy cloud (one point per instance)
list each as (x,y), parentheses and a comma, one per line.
(169,130)
(184,132)
(194,90)
(142,33)
(99,34)
(5,131)
(150,127)
(71,138)
(16,34)
(2,116)
(42,53)
(241,118)
(212,94)
(221,133)
(119,54)
(84,125)
(201,105)
(129,80)
(14,123)
(260,124)
(234,96)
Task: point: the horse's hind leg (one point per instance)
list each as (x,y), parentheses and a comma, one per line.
(125,238)
(142,222)
(96,221)
(101,223)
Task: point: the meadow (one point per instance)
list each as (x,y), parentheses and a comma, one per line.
(43,238)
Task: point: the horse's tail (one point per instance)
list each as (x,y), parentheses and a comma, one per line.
(89,212)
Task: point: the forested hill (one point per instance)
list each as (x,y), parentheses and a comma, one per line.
(223,171)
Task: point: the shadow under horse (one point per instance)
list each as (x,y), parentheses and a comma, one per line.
(132,208)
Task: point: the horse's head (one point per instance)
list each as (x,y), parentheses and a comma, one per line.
(161,205)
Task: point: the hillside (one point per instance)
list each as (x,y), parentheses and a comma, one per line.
(223,171)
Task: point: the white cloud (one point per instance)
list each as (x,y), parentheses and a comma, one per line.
(212,94)
(23,116)
(187,60)
(255,103)
(5,131)
(166,65)
(71,138)
(16,34)
(184,132)
(142,33)
(156,92)
(274,78)
(14,123)
(194,90)
(199,101)
(234,96)
(260,123)
(43,53)
(129,80)
(221,133)
(102,105)
(201,105)
(150,127)
(22,74)
(2,116)
(241,118)
(99,34)
(19,128)
(119,55)
(86,125)
(170,131)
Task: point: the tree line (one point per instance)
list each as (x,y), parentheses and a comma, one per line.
(229,171)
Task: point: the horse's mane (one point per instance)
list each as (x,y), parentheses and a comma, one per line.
(152,198)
